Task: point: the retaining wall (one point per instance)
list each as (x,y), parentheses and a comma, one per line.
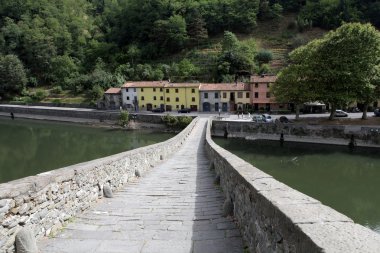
(273,217)
(330,134)
(76,113)
(46,201)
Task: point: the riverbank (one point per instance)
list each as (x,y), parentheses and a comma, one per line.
(133,125)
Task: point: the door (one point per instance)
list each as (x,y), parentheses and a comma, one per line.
(206,106)
(217,107)
(149,107)
(224,107)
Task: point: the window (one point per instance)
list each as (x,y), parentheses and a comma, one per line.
(134,89)
(206,95)
(216,95)
(161,98)
(127,90)
(177,99)
(127,98)
(142,89)
(193,99)
(154,89)
(247,95)
(256,85)
(268,85)
(268,94)
(160,89)
(167,99)
(240,94)
(192,90)
(167,90)
(256,95)
(224,94)
(154,98)
(177,106)
(142,97)
(176,90)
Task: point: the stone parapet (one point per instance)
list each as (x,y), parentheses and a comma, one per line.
(273,217)
(43,203)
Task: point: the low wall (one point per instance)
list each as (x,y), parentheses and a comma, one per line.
(273,217)
(77,113)
(46,201)
(331,134)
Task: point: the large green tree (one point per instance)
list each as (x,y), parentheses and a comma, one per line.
(12,75)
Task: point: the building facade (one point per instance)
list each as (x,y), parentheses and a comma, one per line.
(261,97)
(225,96)
(147,96)
(181,95)
(112,98)
(144,96)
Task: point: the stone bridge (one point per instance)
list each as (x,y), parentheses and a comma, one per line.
(183,195)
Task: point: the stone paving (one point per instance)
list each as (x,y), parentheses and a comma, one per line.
(175,208)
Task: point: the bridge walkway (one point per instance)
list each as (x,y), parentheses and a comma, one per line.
(175,208)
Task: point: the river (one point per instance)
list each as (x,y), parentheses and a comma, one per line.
(346,181)
(29,147)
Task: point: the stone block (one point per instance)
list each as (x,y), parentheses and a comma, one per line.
(26,242)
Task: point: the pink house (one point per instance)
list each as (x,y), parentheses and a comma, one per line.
(261,98)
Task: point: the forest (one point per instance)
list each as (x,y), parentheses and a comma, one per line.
(90,45)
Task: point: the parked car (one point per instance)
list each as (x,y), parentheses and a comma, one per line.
(258,119)
(184,110)
(159,109)
(267,118)
(340,113)
(377,112)
(284,119)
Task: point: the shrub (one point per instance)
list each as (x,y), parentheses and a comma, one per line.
(184,121)
(264,56)
(56,90)
(174,122)
(124,118)
(39,95)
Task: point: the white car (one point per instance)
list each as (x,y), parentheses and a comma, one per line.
(340,113)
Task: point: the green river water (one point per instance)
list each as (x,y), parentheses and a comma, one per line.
(348,182)
(30,147)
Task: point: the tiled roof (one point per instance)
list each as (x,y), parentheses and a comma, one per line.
(113,91)
(182,85)
(263,79)
(223,86)
(145,84)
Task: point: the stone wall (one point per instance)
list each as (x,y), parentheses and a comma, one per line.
(273,217)
(79,113)
(331,134)
(44,202)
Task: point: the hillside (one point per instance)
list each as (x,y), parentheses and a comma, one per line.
(85,46)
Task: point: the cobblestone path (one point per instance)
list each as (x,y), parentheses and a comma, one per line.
(174,208)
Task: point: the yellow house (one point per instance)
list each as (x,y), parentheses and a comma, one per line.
(144,96)
(181,95)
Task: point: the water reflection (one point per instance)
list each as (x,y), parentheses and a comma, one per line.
(345,181)
(29,147)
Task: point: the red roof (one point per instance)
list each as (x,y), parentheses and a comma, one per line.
(113,91)
(223,86)
(145,84)
(263,79)
(181,85)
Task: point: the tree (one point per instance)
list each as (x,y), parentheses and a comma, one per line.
(230,42)
(196,28)
(342,66)
(347,63)
(12,75)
